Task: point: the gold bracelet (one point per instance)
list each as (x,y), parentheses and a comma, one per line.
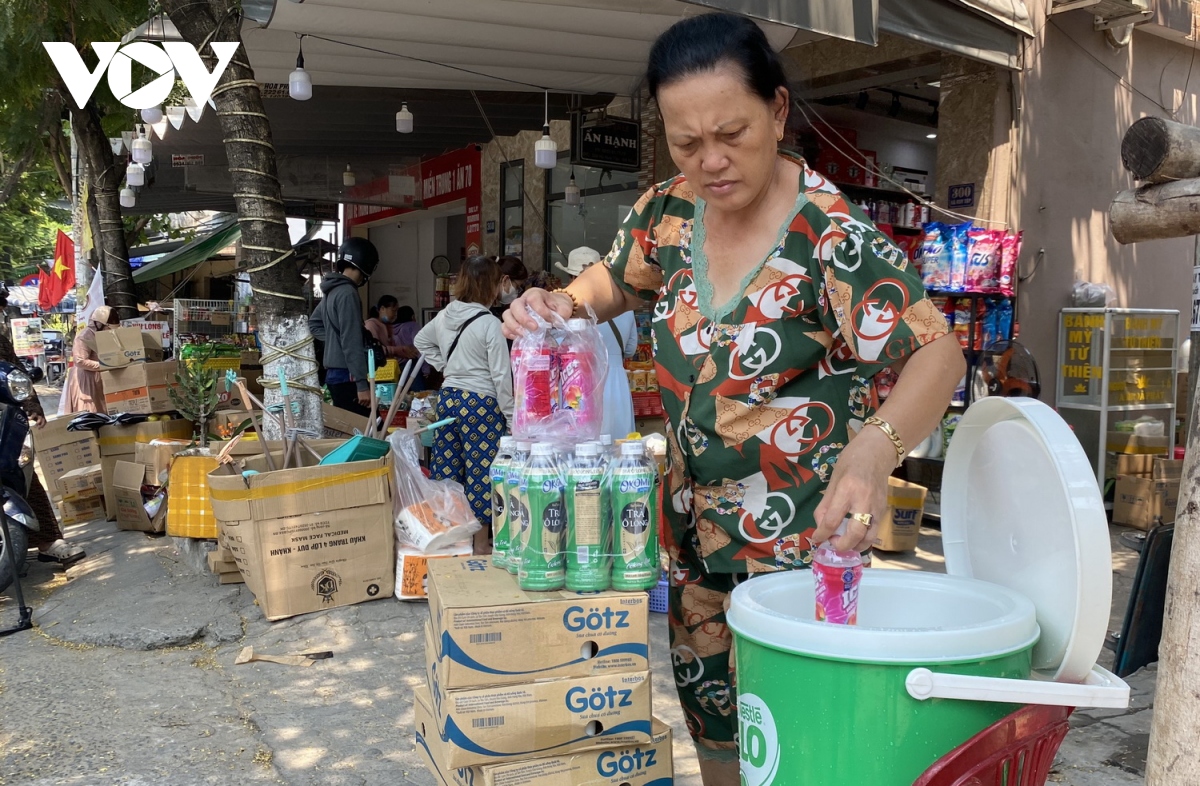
(574,300)
(891,434)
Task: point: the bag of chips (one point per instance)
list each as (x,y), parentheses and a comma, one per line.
(983,259)
(958,241)
(1010,254)
(935,257)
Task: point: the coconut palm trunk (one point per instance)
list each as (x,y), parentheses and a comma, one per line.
(279,302)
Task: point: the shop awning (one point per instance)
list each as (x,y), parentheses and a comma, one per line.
(987,30)
(195,252)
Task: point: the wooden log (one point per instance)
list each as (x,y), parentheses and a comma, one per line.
(1155,150)
(1156,212)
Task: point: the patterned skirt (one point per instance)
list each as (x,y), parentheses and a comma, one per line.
(463,451)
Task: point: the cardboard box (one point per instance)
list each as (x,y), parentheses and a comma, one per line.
(1144,503)
(412,570)
(61,459)
(123,440)
(342,421)
(140,388)
(1138,465)
(55,434)
(649,764)
(901,530)
(310,538)
(156,457)
(1167,469)
(127,490)
(82,482)
(230,578)
(117,347)
(489,725)
(1126,442)
(108,466)
(81,510)
(491,632)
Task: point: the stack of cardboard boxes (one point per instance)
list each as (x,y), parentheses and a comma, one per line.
(60,451)
(1147,482)
(536,689)
(135,378)
(222,563)
(82,495)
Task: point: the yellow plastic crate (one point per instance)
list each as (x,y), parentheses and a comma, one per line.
(388,372)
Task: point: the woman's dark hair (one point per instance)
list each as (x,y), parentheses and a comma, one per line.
(405,314)
(388,301)
(514,268)
(477,281)
(702,43)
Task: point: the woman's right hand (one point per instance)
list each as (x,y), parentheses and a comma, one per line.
(517,320)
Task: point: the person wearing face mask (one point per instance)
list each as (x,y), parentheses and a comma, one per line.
(514,277)
(379,324)
(337,321)
(85,389)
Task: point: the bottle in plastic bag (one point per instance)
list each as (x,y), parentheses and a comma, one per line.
(499,477)
(543,563)
(836,578)
(607,445)
(588,547)
(535,382)
(581,376)
(517,511)
(635,522)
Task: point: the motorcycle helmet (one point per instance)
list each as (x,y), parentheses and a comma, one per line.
(360,253)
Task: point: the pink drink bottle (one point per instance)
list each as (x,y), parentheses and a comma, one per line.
(836,579)
(580,385)
(535,382)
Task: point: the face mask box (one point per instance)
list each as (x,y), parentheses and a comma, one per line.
(488,631)
(508,722)
(647,764)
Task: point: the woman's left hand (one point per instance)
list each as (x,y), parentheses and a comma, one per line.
(858,485)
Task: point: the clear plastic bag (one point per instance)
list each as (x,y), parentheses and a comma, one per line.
(1088,295)
(430,514)
(558,381)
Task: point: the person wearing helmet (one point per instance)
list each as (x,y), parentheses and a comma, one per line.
(338,321)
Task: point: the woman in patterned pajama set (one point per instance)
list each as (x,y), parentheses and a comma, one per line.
(464,341)
(775,302)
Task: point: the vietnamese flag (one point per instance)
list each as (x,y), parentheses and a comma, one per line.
(53,285)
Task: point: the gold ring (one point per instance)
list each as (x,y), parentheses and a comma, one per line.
(863,518)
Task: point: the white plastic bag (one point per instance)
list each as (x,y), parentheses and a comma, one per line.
(429,514)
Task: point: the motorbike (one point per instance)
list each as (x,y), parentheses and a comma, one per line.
(17,519)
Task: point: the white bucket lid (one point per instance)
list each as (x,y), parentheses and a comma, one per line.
(1021,508)
(904,617)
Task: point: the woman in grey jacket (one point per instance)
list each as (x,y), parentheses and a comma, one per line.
(465,343)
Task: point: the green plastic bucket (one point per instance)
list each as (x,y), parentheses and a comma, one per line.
(822,704)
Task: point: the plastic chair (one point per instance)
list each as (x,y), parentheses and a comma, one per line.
(1014,751)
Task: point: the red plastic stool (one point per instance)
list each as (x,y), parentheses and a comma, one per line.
(1014,751)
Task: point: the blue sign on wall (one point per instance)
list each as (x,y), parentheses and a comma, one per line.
(962,195)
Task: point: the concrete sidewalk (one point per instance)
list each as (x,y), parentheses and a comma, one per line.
(129,679)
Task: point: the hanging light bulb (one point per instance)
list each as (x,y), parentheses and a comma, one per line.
(571,192)
(128,198)
(160,128)
(299,82)
(117,143)
(176,115)
(348,177)
(404,119)
(142,151)
(135,174)
(545,150)
(152,114)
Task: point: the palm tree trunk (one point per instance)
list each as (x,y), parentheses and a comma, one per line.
(105,186)
(279,302)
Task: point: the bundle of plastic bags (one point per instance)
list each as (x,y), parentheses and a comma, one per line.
(431,515)
(558,381)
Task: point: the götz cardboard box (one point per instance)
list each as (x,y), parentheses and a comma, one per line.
(648,764)
(312,537)
(488,631)
(140,388)
(118,347)
(503,723)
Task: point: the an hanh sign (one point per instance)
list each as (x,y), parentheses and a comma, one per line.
(962,195)
(187,159)
(609,143)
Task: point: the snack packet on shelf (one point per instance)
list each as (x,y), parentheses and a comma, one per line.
(935,257)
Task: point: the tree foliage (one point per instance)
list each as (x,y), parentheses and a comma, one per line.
(30,221)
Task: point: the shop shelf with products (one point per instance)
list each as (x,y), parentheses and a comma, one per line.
(210,318)
(1115,362)
(975,340)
